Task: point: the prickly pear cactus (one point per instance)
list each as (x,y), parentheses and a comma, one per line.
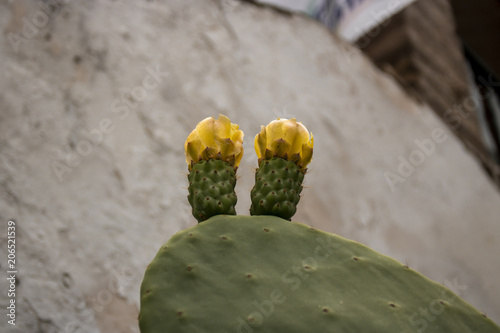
(211,189)
(284,149)
(265,274)
(278,184)
(213,152)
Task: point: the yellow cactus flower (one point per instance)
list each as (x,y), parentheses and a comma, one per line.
(215,139)
(285,138)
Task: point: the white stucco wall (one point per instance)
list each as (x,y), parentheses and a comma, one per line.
(86,233)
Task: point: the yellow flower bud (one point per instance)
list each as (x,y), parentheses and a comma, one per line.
(285,138)
(215,139)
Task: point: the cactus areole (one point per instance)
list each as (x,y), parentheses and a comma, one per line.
(264,273)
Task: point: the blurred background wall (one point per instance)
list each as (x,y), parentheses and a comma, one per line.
(97,98)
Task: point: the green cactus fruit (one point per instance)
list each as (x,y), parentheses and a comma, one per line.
(211,189)
(262,274)
(278,184)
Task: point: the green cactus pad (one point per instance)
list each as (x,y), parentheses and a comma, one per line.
(211,189)
(263,274)
(278,184)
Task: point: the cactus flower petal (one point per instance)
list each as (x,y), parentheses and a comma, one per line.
(261,142)
(307,152)
(222,127)
(215,139)
(205,132)
(192,150)
(285,138)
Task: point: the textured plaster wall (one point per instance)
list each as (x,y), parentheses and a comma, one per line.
(97,99)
